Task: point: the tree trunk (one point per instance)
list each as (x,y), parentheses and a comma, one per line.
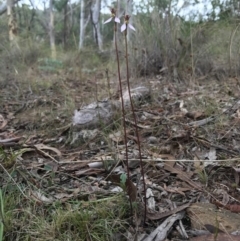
(12,24)
(82,27)
(65,26)
(19,16)
(95,15)
(51,30)
(3,6)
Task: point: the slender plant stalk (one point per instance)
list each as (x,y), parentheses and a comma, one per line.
(108,85)
(1,216)
(136,127)
(96,93)
(123,109)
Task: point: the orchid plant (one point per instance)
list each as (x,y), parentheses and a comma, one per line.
(127,24)
(124,28)
(113,17)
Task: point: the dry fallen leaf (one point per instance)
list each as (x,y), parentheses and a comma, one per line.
(160,215)
(130,187)
(217,237)
(195,115)
(184,176)
(116,137)
(39,197)
(41,147)
(150,199)
(204,214)
(89,171)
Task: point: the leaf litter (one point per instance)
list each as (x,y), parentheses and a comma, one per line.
(190,139)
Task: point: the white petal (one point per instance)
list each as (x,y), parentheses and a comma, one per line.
(117,20)
(123,27)
(130,26)
(107,21)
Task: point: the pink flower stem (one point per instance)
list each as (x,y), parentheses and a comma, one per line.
(136,126)
(123,109)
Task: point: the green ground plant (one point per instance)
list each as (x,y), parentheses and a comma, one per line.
(74,220)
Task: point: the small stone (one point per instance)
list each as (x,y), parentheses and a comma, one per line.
(152,140)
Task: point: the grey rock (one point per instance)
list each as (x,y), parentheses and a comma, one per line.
(101,113)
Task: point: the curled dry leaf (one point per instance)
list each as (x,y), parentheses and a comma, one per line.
(235,208)
(236,175)
(195,115)
(130,187)
(44,147)
(116,136)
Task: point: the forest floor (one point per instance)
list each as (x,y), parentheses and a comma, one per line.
(54,189)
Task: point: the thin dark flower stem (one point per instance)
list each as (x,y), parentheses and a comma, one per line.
(136,127)
(123,109)
(108,85)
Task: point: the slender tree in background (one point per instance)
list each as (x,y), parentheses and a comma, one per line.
(38,20)
(26,20)
(12,24)
(65,25)
(46,20)
(83,23)
(95,17)
(51,30)
(62,7)
(3,6)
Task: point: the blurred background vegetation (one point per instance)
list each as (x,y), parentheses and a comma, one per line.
(181,39)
